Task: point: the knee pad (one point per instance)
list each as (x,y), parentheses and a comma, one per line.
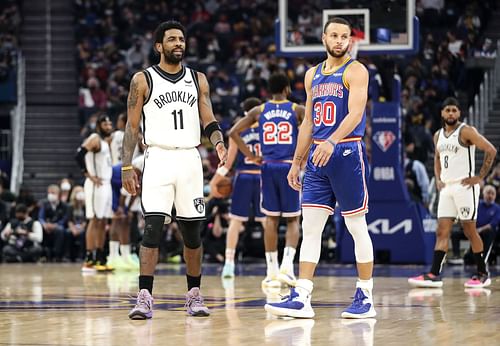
(191,233)
(363,248)
(313,223)
(153,231)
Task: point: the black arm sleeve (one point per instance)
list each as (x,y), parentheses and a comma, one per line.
(80,158)
(212,128)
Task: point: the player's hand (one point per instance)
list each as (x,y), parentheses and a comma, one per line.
(322,154)
(130,182)
(96,180)
(471,181)
(293,177)
(222,153)
(213,186)
(440,185)
(256,160)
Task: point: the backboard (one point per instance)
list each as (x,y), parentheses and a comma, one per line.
(380,27)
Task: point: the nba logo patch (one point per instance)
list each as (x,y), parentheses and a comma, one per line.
(384,139)
(199,204)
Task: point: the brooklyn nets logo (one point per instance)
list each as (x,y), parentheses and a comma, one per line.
(465,211)
(199,204)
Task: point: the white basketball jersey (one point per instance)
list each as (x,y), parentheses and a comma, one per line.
(116,146)
(457,160)
(170,114)
(99,164)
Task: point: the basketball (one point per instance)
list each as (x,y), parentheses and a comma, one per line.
(225,187)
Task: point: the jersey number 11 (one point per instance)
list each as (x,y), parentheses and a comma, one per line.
(178,124)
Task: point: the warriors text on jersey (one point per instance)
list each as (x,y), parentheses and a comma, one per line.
(99,164)
(251,138)
(457,160)
(330,97)
(278,128)
(170,116)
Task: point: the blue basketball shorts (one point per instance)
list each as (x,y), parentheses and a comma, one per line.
(278,198)
(245,200)
(344,180)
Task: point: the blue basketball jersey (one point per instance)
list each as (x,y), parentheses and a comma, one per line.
(278,128)
(251,138)
(330,96)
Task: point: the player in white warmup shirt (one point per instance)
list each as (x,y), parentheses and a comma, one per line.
(170,101)
(94,158)
(458,184)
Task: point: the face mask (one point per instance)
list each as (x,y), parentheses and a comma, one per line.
(52,197)
(65,186)
(80,196)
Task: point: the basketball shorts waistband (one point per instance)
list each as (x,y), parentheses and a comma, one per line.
(345,140)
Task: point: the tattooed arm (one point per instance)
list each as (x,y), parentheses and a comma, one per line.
(470,136)
(137,92)
(207,117)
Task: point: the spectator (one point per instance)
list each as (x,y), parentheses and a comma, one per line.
(23,237)
(53,216)
(416,178)
(77,223)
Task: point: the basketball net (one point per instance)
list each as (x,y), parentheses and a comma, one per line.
(353,49)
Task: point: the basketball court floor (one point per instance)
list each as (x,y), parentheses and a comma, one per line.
(53,304)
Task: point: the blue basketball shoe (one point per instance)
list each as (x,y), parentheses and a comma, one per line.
(294,305)
(361,307)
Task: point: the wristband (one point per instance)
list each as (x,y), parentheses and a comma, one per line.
(331,142)
(222,171)
(127,168)
(215,146)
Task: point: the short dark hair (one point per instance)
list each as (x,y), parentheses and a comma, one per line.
(278,82)
(337,20)
(103,118)
(21,208)
(450,101)
(249,103)
(171,24)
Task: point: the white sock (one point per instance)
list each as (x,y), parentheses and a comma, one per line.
(114,246)
(230,255)
(304,287)
(272,263)
(366,286)
(287,262)
(125,251)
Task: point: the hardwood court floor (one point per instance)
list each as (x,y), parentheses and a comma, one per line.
(54,304)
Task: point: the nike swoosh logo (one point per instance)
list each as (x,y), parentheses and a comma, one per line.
(347,152)
(188,81)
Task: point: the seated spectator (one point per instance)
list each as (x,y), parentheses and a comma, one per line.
(416,177)
(77,223)
(23,237)
(65,185)
(217,222)
(53,216)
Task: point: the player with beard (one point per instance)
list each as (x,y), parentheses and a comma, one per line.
(94,158)
(454,170)
(171,100)
(336,170)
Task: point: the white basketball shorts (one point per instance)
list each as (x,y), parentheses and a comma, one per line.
(98,200)
(173,176)
(458,201)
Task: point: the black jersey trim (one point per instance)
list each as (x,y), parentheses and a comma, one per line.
(172,78)
(149,80)
(199,218)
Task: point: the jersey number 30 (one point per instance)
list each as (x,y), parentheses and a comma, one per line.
(324,113)
(280,133)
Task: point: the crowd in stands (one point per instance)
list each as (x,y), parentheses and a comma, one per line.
(232,42)
(10,26)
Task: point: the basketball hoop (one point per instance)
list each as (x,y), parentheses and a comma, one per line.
(353,49)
